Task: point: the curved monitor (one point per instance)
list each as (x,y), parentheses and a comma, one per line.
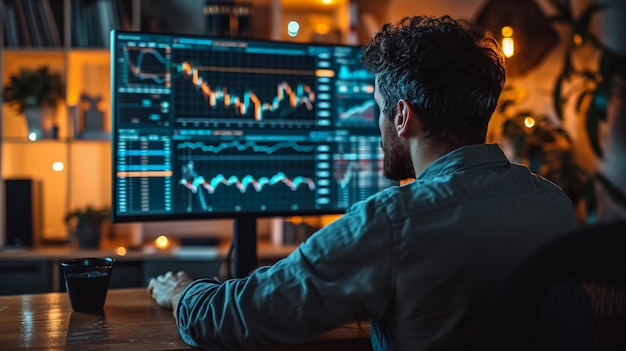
(218,128)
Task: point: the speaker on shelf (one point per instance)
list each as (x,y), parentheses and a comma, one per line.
(22,212)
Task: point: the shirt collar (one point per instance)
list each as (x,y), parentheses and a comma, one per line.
(465,157)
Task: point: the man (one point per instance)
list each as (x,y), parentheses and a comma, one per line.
(422,261)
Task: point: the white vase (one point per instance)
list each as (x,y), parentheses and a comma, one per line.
(40,122)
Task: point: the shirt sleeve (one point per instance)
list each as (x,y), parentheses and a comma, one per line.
(341,273)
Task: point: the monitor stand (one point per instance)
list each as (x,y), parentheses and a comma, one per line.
(244,246)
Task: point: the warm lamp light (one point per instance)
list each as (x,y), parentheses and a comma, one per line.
(529,122)
(162,242)
(534,35)
(507,31)
(121,251)
(508,47)
(322,28)
(58,166)
(578,39)
(508,44)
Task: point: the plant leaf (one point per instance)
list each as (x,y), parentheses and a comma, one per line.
(557,99)
(591,200)
(563,10)
(581,26)
(593,127)
(608,65)
(589,75)
(613,191)
(581,99)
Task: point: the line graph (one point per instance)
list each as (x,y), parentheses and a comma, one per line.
(236,145)
(353,71)
(242,184)
(148,65)
(348,173)
(233,173)
(355,103)
(365,112)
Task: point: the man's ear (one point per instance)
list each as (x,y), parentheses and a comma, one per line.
(403,118)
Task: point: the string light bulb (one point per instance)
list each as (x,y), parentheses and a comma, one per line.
(529,122)
(508,44)
(577,39)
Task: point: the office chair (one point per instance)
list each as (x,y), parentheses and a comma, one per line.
(569,296)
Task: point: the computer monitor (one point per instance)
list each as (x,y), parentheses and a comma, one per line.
(239,128)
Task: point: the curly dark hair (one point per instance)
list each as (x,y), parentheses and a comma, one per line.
(448,70)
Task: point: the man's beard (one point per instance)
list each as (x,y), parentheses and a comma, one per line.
(397,164)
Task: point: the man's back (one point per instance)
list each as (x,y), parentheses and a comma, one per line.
(462,227)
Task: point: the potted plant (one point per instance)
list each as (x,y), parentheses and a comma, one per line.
(35,94)
(589,88)
(87,225)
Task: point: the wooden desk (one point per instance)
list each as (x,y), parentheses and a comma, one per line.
(130,321)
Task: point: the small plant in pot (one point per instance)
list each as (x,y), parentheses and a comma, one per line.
(35,94)
(86,224)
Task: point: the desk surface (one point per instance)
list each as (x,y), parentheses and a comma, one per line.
(265,251)
(130,321)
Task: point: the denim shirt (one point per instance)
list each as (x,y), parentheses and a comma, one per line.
(421,261)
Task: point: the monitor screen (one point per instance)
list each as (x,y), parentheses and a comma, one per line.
(230,128)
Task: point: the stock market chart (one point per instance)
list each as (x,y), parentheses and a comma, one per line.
(214,127)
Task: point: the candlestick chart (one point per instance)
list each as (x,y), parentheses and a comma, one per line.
(244,87)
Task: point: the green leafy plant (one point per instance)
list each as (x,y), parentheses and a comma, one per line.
(89,214)
(33,88)
(589,87)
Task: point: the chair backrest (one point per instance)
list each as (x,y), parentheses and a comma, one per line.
(569,296)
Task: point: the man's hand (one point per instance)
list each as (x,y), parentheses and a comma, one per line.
(166,289)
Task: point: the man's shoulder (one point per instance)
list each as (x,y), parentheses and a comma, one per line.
(416,196)
(462,188)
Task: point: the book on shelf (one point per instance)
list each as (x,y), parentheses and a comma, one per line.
(34,27)
(22,23)
(30,23)
(11,38)
(46,16)
(94,20)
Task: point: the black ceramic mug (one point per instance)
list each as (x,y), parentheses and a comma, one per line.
(87,282)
